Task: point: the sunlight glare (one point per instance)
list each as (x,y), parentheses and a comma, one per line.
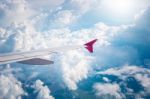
(119,7)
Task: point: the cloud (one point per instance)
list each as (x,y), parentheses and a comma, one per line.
(14,11)
(75,67)
(144,79)
(10,87)
(45,5)
(102,90)
(43,91)
(137,37)
(25,36)
(140,74)
(24,39)
(128,45)
(106,79)
(118,12)
(7,69)
(125,70)
(82,5)
(64,17)
(33,75)
(21,36)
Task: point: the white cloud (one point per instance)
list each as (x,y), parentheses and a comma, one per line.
(33,75)
(83,5)
(125,70)
(106,79)
(10,87)
(145,80)
(65,17)
(48,4)
(6,70)
(21,37)
(13,11)
(43,91)
(139,73)
(75,67)
(107,89)
(137,16)
(26,37)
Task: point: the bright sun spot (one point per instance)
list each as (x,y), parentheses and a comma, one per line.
(119,7)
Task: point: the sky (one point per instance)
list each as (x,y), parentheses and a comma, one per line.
(122,28)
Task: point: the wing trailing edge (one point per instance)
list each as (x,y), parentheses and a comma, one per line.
(36,61)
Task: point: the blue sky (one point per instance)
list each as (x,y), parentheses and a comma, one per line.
(122,27)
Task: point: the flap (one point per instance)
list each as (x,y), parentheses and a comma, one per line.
(36,61)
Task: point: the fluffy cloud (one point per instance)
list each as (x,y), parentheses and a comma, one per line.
(35,11)
(140,74)
(75,67)
(82,5)
(105,79)
(74,71)
(129,45)
(43,91)
(10,87)
(144,79)
(64,18)
(20,37)
(7,69)
(125,70)
(107,89)
(14,11)
(24,36)
(137,38)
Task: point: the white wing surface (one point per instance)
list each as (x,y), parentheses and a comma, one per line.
(32,57)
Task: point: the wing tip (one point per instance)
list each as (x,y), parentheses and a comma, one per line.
(89,45)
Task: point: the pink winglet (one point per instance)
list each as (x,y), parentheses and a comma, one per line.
(89,45)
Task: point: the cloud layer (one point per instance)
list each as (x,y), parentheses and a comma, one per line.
(26,25)
(10,87)
(126,74)
(43,91)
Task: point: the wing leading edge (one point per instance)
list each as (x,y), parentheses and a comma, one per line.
(32,57)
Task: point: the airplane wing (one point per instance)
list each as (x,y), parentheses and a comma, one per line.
(32,57)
